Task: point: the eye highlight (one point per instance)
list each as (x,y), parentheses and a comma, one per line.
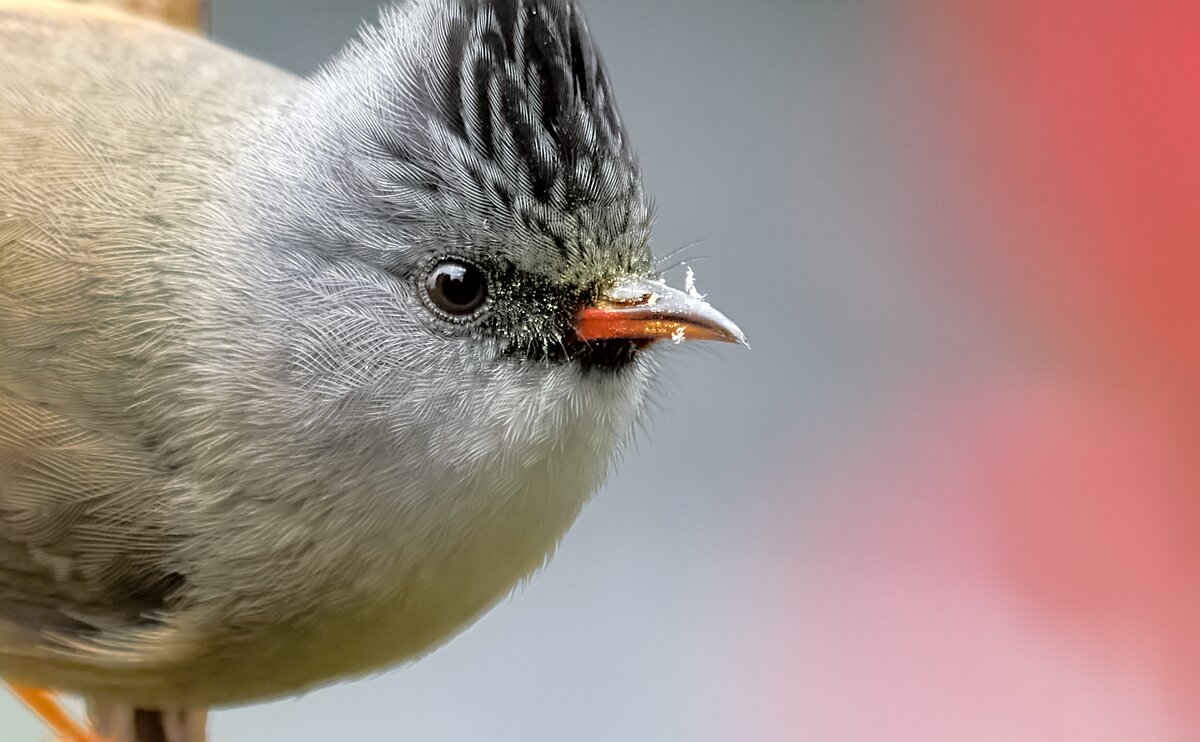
(456,287)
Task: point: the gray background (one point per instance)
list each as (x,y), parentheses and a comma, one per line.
(755,121)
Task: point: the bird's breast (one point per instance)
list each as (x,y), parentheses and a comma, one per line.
(386,574)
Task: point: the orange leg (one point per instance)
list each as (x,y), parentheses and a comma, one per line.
(43,703)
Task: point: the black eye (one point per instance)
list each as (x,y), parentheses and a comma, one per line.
(456,288)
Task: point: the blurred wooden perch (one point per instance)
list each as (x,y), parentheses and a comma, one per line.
(187,14)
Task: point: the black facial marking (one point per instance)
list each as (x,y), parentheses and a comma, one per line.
(534,318)
(595,356)
(608,356)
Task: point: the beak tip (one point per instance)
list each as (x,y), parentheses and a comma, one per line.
(724,329)
(730,333)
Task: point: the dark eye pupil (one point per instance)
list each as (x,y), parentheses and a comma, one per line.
(457,288)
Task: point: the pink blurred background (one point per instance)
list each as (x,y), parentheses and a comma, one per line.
(1009,546)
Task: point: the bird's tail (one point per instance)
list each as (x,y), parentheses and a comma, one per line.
(125,722)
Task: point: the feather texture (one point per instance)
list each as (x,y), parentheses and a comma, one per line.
(239,455)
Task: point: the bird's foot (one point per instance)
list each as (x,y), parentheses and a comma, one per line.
(46,706)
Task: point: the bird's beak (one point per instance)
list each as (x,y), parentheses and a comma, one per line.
(644,309)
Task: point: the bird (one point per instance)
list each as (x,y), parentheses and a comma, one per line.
(300,376)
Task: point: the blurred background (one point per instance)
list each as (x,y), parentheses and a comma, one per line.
(951,494)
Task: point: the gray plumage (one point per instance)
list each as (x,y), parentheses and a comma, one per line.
(240,452)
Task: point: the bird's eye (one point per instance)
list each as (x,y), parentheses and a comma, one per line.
(456,288)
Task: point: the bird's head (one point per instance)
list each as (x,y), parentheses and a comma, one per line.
(470,152)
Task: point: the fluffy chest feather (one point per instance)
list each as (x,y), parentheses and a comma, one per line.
(409,547)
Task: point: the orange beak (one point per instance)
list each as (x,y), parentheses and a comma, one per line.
(642,309)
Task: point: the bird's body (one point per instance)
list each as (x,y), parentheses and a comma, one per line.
(366,572)
(248,443)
